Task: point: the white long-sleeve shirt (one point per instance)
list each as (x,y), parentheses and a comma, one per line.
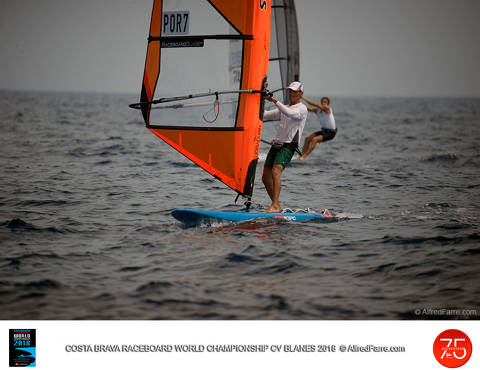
(292,119)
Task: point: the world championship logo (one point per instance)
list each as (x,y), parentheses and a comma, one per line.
(22,348)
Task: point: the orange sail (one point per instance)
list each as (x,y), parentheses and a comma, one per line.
(204,57)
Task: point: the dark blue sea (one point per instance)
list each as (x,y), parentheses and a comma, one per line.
(86,230)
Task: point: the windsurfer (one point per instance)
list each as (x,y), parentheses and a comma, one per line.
(292,121)
(327,123)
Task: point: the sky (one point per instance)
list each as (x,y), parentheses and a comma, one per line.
(347,47)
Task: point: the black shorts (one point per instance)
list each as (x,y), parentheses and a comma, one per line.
(326,133)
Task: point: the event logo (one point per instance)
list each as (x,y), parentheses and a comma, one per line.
(22,348)
(452,348)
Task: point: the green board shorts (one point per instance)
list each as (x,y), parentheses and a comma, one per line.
(278,155)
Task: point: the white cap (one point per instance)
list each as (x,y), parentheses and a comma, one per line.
(296,86)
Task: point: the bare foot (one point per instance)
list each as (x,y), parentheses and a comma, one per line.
(302,158)
(274,209)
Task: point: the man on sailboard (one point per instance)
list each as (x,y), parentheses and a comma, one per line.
(292,121)
(327,123)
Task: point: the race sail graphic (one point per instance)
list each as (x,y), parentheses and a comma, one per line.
(284,47)
(203,83)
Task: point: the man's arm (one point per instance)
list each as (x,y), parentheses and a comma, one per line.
(289,112)
(311,102)
(271,115)
(317,106)
(325,108)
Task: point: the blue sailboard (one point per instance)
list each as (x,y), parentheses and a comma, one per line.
(193,217)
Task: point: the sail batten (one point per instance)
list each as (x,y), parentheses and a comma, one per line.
(201,37)
(195,128)
(191,96)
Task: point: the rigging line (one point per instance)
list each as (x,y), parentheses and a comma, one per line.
(139,105)
(216,103)
(279,89)
(247,203)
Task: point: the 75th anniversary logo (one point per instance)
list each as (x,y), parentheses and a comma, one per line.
(452,348)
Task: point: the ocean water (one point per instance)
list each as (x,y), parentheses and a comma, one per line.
(86,230)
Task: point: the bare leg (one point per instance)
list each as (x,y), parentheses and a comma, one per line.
(277,187)
(307,141)
(313,144)
(267,180)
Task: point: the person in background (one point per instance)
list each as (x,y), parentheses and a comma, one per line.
(292,121)
(327,122)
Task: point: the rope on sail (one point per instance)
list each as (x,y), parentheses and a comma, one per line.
(217,111)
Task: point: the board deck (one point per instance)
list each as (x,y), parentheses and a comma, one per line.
(192,217)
